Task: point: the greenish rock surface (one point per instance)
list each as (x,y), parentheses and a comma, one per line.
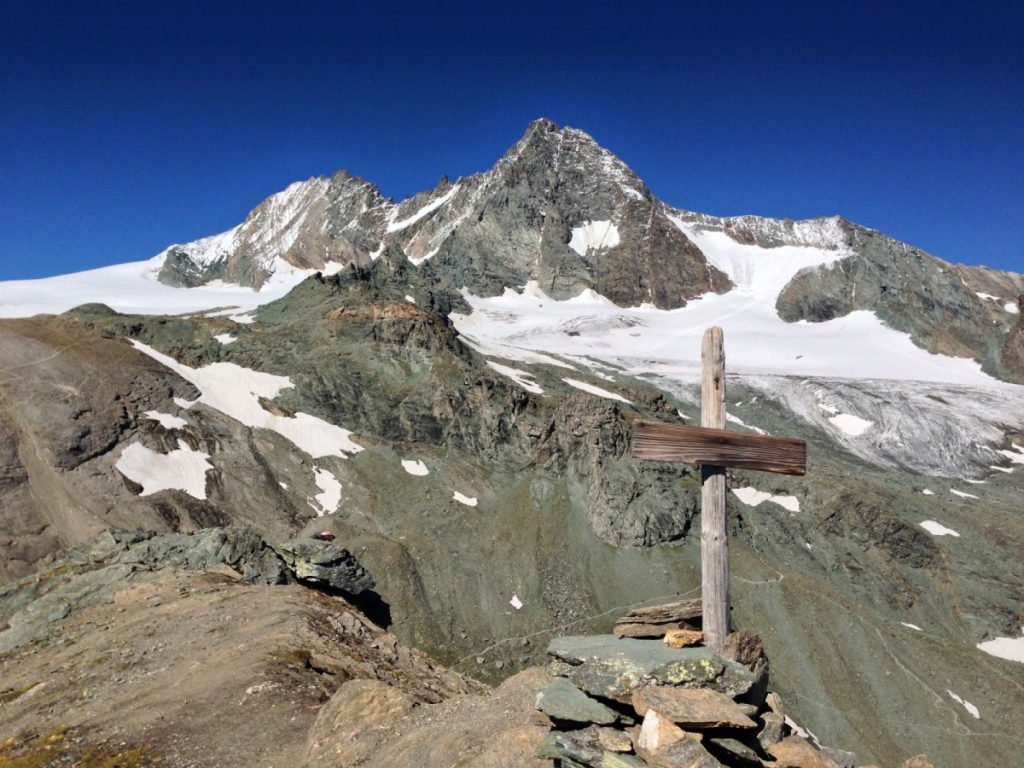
(32,607)
(610,666)
(909,290)
(583,747)
(687,753)
(564,701)
(326,563)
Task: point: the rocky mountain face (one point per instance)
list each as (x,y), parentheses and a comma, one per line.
(940,306)
(308,225)
(487,491)
(561,210)
(557,208)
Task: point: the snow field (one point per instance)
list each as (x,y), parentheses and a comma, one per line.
(1010,648)
(167,421)
(235,392)
(594,235)
(649,340)
(326,502)
(591,389)
(182,469)
(522,378)
(133,289)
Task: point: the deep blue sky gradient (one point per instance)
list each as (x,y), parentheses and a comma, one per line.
(128,126)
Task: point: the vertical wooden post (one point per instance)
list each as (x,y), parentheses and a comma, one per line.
(714,544)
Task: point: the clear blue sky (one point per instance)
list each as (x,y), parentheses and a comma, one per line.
(128,126)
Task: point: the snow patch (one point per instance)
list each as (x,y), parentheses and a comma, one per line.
(326,502)
(515,602)
(469,501)
(245,319)
(133,288)
(415,467)
(167,421)
(753,497)
(971,709)
(1010,648)
(426,210)
(928,492)
(912,626)
(226,338)
(235,391)
(851,425)
(181,402)
(739,422)
(937,529)
(962,494)
(522,378)
(182,469)
(1016,455)
(1011,307)
(410,299)
(590,388)
(801,732)
(594,235)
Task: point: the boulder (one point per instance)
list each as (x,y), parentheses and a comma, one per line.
(795,752)
(583,747)
(733,753)
(688,753)
(691,708)
(611,667)
(771,731)
(657,731)
(683,638)
(325,563)
(744,647)
(564,701)
(614,740)
(339,735)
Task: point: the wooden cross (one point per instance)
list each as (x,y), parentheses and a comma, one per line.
(715,448)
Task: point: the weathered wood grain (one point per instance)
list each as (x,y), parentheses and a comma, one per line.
(681,610)
(714,537)
(656,620)
(655,441)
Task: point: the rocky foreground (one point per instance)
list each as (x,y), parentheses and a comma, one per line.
(219,649)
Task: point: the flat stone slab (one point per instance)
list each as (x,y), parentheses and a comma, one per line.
(584,747)
(564,701)
(687,753)
(692,708)
(794,752)
(611,666)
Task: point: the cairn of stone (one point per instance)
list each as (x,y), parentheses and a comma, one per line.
(653,695)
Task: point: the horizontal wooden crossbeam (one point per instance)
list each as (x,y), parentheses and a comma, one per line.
(655,441)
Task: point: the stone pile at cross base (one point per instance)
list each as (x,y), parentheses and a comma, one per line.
(653,695)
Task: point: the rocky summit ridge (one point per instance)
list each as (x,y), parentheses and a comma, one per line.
(428,431)
(562,211)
